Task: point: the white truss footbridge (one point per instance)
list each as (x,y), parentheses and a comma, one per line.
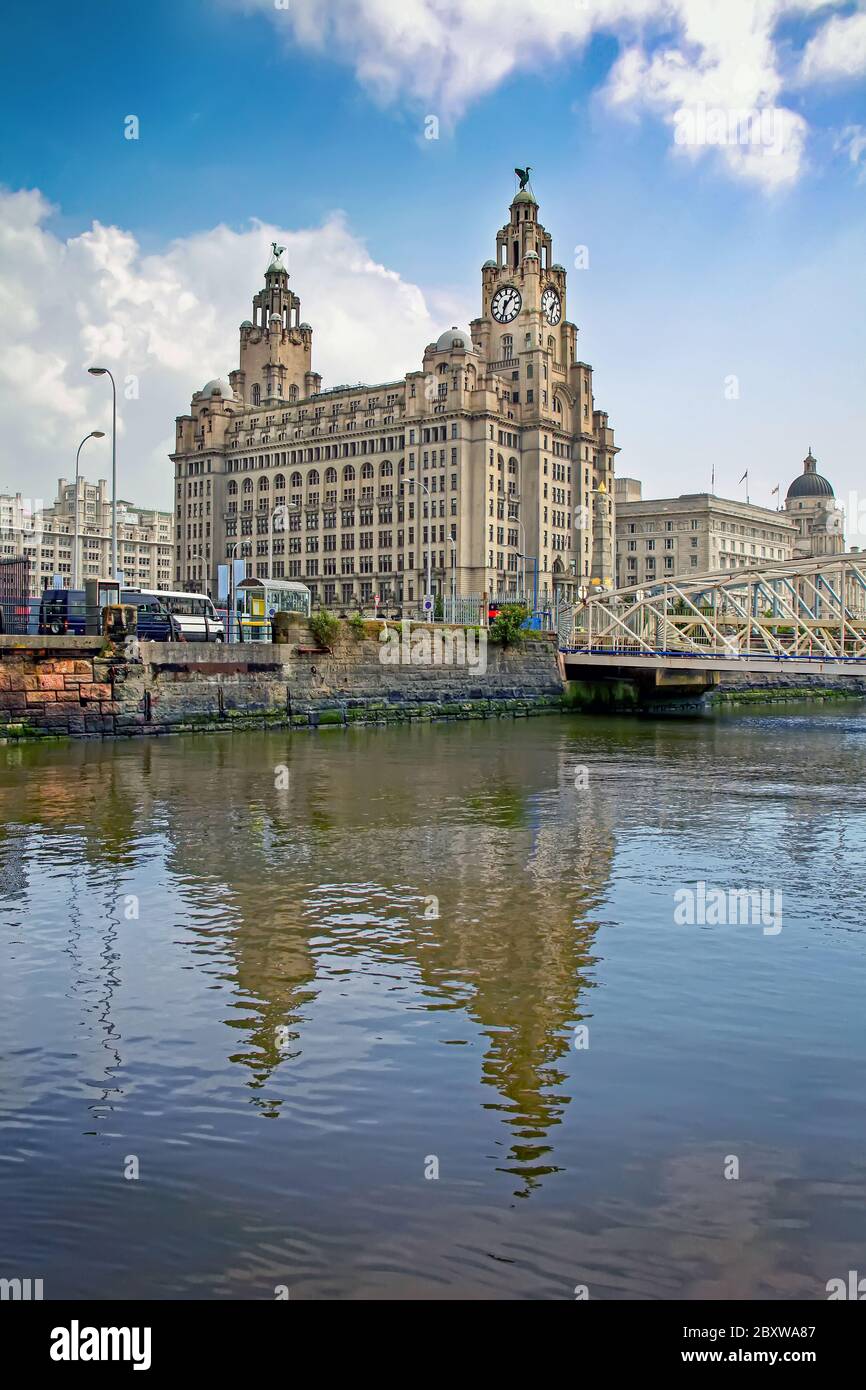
(800,616)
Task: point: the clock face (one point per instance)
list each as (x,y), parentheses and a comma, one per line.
(550,303)
(506,304)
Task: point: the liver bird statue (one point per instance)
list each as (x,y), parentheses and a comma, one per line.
(278,250)
(523,175)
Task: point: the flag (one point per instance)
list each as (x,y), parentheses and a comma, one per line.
(745,476)
(775,490)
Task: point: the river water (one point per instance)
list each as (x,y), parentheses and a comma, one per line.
(407,1012)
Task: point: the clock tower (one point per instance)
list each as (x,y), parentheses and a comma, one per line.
(567,451)
(522,290)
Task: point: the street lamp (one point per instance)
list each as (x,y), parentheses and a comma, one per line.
(429,614)
(103,371)
(94,434)
(534,559)
(453,578)
(523,556)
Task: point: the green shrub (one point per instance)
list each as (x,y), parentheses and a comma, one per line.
(506,626)
(324,627)
(356,623)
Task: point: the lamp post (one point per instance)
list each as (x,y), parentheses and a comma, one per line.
(534,559)
(522,555)
(453,578)
(428,615)
(94,434)
(103,371)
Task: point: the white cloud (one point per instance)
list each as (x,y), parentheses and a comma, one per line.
(852,142)
(443,55)
(171,321)
(837,51)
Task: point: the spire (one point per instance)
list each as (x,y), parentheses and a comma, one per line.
(809,462)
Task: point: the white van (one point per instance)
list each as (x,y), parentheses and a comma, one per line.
(194,616)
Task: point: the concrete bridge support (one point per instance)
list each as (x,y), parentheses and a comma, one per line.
(658,690)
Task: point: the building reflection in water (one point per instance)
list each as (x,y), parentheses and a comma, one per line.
(479,877)
(338,866)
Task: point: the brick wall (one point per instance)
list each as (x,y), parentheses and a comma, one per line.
(64,689)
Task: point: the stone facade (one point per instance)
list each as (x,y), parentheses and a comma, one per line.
(76,686)
(45,535)
(488,455)
(666,537)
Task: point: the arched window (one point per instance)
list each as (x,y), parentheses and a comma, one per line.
(279,482)
(293,393)
(348,474)
(551,344)
(295,480)
(248,485)
(367,470)
(263,484)
(386,470)
(330,475)
(313,479)
(256,395)
(512,466)
(232,488)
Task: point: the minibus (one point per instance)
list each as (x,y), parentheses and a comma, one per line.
(193,616)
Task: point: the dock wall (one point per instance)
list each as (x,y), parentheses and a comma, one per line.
(84,688)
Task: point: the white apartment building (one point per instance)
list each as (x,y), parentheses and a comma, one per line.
(45,536)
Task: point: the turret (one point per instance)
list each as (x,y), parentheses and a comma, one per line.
(275,347)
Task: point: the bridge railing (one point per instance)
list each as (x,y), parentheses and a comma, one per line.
(807,609)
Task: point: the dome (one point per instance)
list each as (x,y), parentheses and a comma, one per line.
(247,323)
(524,196)
(454,338)
(489,265)
(306,328)
(810,483)
(531,256)
(557,266)
(218,387)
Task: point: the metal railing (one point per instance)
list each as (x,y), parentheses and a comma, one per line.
(804,609)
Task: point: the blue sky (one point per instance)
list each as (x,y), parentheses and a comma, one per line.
(699,270)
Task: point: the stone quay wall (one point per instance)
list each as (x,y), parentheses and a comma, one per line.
(733,689)
(83,687)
